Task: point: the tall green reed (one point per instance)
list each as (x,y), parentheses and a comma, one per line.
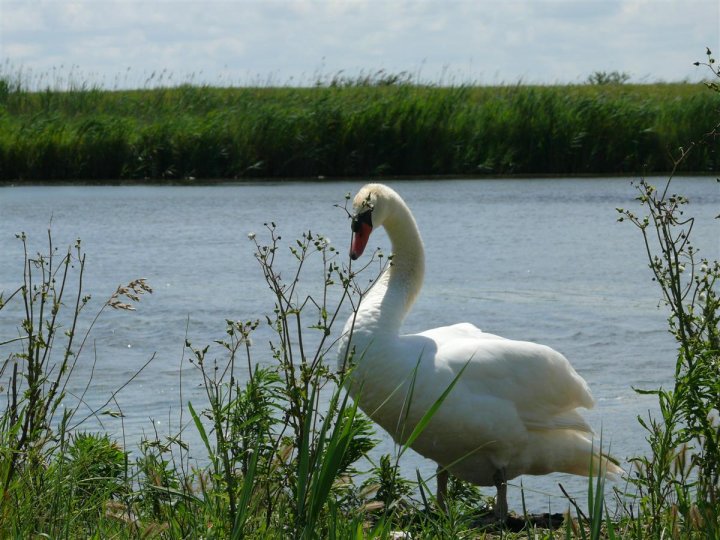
(194,132)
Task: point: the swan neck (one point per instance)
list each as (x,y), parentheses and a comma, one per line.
(392,297)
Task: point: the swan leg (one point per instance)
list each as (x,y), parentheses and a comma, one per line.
(501,507)
(442,481)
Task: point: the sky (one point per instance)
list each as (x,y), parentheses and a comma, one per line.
(142,43)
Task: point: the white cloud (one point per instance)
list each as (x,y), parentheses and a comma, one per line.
(243,41)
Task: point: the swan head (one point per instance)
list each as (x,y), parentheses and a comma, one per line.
(371,207)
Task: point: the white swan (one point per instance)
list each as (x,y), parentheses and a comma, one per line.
(512,410)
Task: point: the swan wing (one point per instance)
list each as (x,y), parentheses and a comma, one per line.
(536,380)
(445,334)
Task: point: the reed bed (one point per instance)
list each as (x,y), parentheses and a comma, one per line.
(368,128)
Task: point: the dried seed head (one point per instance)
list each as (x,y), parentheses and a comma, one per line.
(131,291)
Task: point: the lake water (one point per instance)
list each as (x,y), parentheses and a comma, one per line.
(534,259)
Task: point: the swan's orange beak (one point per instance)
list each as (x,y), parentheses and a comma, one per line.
(360,237)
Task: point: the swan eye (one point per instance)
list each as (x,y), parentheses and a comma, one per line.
(364,217)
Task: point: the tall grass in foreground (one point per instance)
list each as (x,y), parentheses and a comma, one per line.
(366,129)
(50,471)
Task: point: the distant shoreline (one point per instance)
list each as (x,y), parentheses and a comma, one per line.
(191,134)
(279,181)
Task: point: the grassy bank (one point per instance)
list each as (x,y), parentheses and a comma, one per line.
(369,130)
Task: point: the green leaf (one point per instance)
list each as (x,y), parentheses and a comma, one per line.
(425,420)
(201,430)
(245,493)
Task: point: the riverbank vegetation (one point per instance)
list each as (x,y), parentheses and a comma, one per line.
(375,126)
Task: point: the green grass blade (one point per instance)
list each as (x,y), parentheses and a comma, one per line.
(245,493)
(425,420)
(201,430)
(304,452)
(332,459)
(596,495)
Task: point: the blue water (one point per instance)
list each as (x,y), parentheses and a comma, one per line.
(536,259)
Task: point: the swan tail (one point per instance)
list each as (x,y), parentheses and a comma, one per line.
(603,465)
(570,451)
(610,467)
